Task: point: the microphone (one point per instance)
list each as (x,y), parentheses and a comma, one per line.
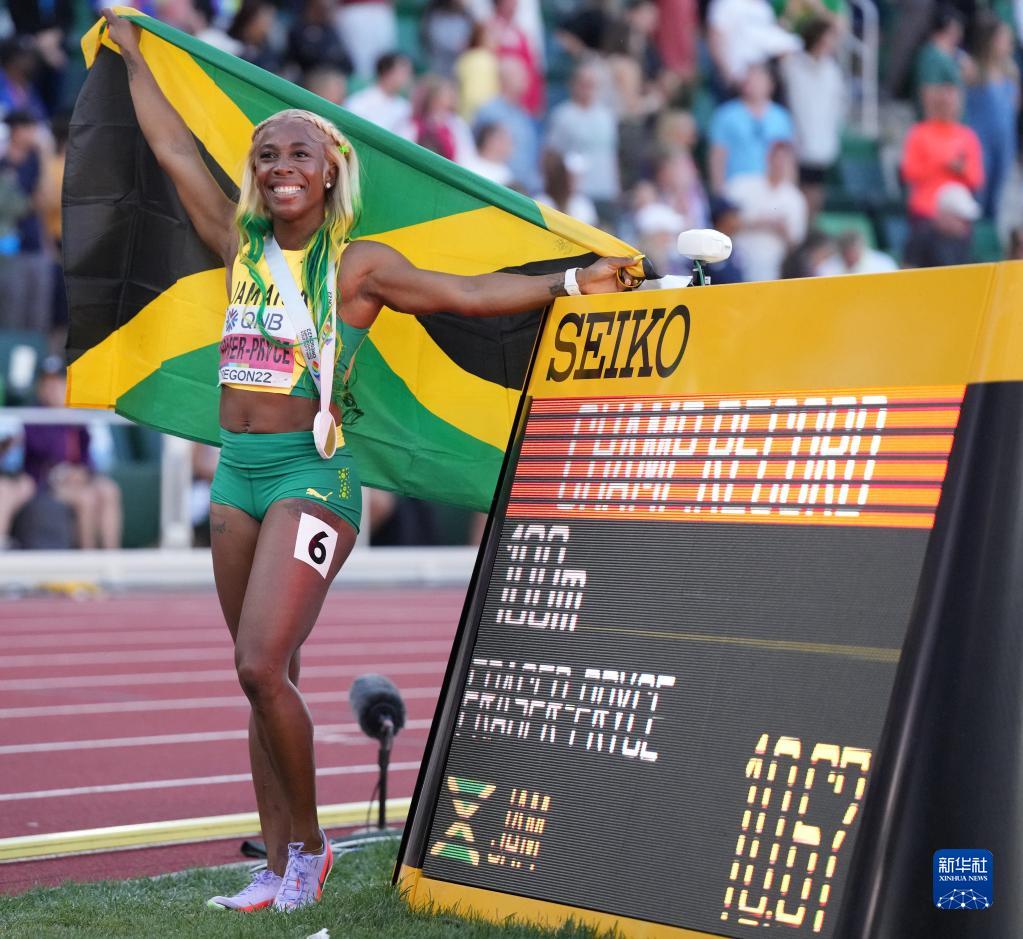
(377,706)
(705,244)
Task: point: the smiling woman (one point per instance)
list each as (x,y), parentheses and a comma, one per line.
(285,503)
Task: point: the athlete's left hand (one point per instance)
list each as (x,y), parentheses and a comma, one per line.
(607,275)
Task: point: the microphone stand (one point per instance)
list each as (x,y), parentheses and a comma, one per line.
(383,761)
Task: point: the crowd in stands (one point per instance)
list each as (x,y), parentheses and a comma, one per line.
(644,117)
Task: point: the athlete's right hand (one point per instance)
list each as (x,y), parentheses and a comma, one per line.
(122,31)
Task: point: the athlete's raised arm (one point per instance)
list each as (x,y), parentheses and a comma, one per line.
(374,275)
(209,210)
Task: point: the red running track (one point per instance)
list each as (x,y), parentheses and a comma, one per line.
(126,709)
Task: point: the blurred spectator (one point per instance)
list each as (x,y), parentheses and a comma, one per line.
(677,175)
(49,203)
(1015,245)
(329,83)
(817,95)
(506,109)
(43,27)
(53,178)
(436,122)
(795,14)
(807,259)
(207,30)
(678,34)
(513,43)
(383,102)
(635,38)
(561,187)
(26,288)
(446,30)
(313,41)
(855,256)
(657,228)
(636,105)
(16,486)
(744,33)
(773,213)
(992,105)
(742,130)
(679,186)
(253,28)
(910,23)
(399,521)
(939,62)
(57,459)
(204,465)
(13,204)
(939,151)
(493,149)
(584,126)
(370,30)
(725,217)
(585,30)
(477,72)
(945,238)
(180,14)
(19,63)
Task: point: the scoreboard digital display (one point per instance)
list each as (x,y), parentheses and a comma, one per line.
(674,677)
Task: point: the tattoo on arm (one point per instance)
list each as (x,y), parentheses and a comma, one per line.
(557,288)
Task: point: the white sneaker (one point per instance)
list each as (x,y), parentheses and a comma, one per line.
(304,877)
(257,895)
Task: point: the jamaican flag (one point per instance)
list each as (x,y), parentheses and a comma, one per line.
(147,299)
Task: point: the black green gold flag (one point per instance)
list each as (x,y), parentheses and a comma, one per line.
(147,299)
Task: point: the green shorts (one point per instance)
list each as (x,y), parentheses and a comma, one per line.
(257,470)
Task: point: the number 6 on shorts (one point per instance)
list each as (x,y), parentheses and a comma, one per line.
(315,543)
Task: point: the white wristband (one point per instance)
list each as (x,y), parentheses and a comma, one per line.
(571,284)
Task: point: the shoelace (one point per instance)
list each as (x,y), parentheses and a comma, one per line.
(293,887)
(262,877)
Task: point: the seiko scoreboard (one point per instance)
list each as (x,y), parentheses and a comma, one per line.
(743,645)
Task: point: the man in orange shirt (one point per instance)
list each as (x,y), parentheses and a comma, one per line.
(940,152)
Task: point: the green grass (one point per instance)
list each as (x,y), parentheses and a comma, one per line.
(358,903)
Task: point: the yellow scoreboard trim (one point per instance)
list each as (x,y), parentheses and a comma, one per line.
(942,326)
(425,893)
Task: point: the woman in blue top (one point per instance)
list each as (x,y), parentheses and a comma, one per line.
(284,520)
(992,105)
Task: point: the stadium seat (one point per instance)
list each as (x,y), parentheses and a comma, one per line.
(986,244)
(137,472)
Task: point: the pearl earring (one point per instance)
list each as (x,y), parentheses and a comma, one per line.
(329,184)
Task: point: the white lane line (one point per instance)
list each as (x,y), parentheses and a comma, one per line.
(384,609)
(327,733)
(182,704)
(210,675)
(56,659)
(185,783)
(217,635)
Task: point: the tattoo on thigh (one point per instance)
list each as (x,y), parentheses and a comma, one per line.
(219,528)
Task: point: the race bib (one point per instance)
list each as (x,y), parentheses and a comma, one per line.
(247,357)
(315,543)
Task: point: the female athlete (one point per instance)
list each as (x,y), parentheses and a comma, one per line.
(285,503)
